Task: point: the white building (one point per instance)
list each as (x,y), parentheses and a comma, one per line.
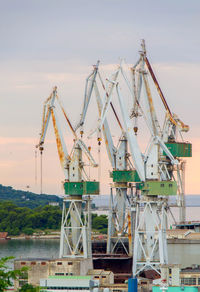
(68,283)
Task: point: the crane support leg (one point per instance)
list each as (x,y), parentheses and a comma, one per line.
(119,223)
(74,230)
(150,244)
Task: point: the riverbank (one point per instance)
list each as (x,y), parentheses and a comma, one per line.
(34,237)
(53,235)
(173,236)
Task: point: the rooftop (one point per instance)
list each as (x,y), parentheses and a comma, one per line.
(70,277)
(49,259)
(188,223)
(98,272)
(193,269)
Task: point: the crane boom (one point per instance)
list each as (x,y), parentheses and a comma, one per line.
(173,120)
(61,147)
(106,130)
(134,147)
(48,112)
(49,103)
(108,98)
(88,93)
(66,117)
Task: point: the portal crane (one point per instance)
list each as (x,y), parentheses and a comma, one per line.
(160,163)
(75,239)
(120,223)
(168,134)
(154,168)
(150,226)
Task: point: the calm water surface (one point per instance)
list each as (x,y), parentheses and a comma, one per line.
(24,248)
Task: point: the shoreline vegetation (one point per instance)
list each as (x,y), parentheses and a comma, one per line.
(41,222)
(28,215)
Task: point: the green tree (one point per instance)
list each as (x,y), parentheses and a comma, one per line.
(28,231)
(100,223)
(28,288)
(16,220)
(7,275)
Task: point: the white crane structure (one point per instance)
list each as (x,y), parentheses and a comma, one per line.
(161,160)
(150,249)
(172,129)
(142,182)
(75,239)
(120,223)
(155,168)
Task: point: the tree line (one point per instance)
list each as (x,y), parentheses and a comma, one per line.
(22,220)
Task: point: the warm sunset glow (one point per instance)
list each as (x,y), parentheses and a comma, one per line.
(47,43)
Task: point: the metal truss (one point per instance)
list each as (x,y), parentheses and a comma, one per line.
(75,230)
(120,222)
(150,244)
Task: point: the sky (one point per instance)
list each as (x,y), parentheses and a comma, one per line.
(46,43)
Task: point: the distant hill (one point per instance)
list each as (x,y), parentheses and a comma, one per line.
(26,199)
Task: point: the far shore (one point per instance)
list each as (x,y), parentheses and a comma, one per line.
(55,235)
(34,237)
